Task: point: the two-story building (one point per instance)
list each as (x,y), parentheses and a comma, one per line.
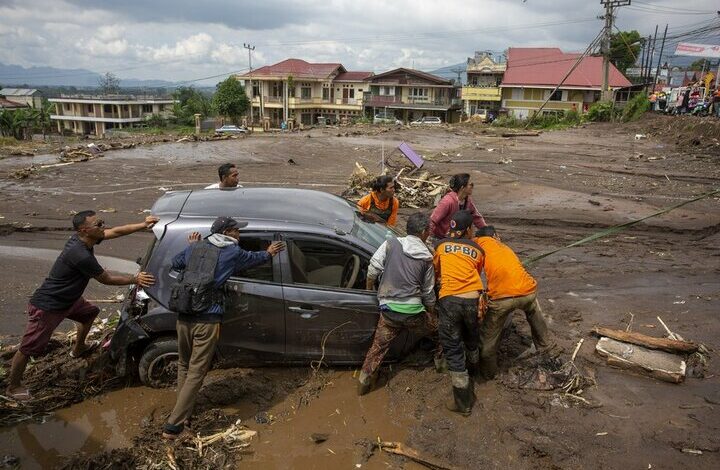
(411,94)
(301,92)
(533,73)
(30,97)
(85,114)
(484,76)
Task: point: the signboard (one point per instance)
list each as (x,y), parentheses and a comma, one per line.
(481,93)
(698,50)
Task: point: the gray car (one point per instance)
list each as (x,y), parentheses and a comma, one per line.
(309,303)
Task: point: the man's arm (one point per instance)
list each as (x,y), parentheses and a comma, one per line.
(428,289)
(142,279)
(250,259)
(116,232)
(376,266)
(440,212)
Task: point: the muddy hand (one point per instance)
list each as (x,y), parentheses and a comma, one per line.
(194,237)
(144,279)
(275,248)
(151,220)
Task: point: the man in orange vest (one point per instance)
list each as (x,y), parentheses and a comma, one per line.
(381,204)
(509,288)
(458,263)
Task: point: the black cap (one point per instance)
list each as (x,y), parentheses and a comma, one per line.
(460,221)
(223,223)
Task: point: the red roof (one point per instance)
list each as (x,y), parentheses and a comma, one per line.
(7,104)
(546,66)
(298,69)
(353,76)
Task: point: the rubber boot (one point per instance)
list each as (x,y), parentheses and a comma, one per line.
(365,384)
(463,394)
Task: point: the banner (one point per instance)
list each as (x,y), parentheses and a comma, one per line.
(698,50)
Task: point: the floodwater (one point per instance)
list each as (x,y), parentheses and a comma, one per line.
(103,423)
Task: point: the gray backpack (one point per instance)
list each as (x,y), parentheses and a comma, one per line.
(194,292)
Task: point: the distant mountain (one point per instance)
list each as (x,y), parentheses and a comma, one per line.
(448,73)
(80,78)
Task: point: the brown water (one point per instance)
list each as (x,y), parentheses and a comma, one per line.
(103,423)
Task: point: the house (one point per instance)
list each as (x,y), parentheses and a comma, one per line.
(411,94)
(27,96)
(300,92)
(532,74)
(86,114)
(484,76)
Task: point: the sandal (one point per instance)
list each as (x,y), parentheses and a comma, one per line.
(89,347)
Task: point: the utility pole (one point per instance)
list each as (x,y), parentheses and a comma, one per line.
(250,49)
(610,5)
(662,47)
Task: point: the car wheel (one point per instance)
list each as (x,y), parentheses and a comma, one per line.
(158,363)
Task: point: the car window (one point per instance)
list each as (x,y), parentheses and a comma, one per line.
(324,263)
(263,272)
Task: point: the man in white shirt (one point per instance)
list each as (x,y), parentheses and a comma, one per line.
(229,176)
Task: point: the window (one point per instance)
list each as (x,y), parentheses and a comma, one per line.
(321,263)
(147,108)
(90,109)
(419,92)
(305,92)
(536,94)
(326,94)
(557,96)
(387,90)
(256,88)
(263,272)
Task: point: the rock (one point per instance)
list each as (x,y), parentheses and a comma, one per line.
(319,437)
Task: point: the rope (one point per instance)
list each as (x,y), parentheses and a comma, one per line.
(618,228)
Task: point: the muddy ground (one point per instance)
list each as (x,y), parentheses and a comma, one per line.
(553,189)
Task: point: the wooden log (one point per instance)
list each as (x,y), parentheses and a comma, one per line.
(657,364)
(521,134)
(400,449)
(664,344)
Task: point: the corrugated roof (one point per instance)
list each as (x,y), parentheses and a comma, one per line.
(7,104)
(298,69)
(417,73)
(546,66)
(17,91)
(353,76)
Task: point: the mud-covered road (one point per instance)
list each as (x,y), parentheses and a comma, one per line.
(552,189)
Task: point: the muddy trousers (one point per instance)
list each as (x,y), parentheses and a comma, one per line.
(492,326)
(459,331)
(389,326)
(196,348)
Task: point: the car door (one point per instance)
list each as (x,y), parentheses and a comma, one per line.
(325,320)
(253,329)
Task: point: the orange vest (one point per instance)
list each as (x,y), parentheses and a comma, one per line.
(505,274)
(458,263)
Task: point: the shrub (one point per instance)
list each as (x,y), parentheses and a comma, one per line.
(602,111)
(156,121)
(636,107)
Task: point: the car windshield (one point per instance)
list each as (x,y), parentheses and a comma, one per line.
(373,233)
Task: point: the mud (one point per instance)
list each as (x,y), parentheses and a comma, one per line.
(559,187)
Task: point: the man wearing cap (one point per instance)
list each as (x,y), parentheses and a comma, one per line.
(198,332)
(458,263)
(509,288)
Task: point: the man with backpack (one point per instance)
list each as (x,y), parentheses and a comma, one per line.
(199,299)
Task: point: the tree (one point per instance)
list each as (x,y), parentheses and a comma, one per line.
(698,65)
(190,102)
(230,99)
(109,83)
(625,49)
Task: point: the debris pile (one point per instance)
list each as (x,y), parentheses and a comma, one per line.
(669,359)
(53,378)
(416,191)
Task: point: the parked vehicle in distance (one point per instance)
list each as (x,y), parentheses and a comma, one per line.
(382,118)
(277,313)
(427,120)
(482,115)
(231,130)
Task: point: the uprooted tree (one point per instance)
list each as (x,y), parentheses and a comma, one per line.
(109,83)
(230,99)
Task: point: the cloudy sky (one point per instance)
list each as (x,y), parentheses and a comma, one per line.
(188,40)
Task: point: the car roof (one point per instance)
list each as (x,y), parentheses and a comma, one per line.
(300,206)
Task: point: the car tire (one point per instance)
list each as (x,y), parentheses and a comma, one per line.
(158,363)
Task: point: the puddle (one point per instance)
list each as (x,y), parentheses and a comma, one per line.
(44,254)
(100,424)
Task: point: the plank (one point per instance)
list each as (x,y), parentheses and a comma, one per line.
(658,364)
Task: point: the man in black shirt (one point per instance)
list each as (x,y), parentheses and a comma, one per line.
(60,295)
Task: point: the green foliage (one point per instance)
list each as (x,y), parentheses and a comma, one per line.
(636,107)
(699,64)
(230,99)
(624,49)
(16,123)
(109,84)
(602,111)
(156,120)
(549,120)
(190,102)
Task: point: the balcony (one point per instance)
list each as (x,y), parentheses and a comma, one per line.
(481,93)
